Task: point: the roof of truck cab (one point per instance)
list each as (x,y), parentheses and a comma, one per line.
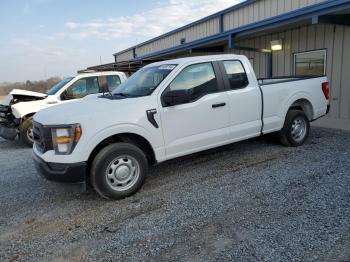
(194,59)
(101,73)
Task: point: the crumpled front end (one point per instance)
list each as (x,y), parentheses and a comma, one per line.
(17,95)
(11,111)
(6,101)
(8,123)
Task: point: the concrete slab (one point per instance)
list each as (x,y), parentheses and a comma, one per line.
(328,122)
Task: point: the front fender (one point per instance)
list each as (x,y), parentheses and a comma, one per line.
(88,146)
(23,109)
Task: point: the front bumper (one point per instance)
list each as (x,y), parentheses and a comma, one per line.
(8,123)
(8,133)
(66,173)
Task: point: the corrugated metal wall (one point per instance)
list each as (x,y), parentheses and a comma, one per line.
(125,56)
(201,30)
(256,11)
(336,39)
(204,29)
(261,10)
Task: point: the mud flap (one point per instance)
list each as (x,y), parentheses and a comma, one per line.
(8,133)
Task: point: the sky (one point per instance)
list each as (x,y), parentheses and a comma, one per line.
(45,38)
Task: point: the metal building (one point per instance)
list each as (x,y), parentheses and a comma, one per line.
(280,37)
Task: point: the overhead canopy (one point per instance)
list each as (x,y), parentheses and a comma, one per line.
(124,66)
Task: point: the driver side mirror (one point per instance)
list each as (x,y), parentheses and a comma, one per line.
(67,95)
(64,95)
(175,97)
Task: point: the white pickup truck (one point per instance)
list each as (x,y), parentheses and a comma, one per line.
(166,110)
(18,108)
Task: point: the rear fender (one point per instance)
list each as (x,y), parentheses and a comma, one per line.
(298,96)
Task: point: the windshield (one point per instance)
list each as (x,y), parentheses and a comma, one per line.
(53,90)
(144,81)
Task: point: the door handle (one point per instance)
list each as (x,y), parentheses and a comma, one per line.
(218,105)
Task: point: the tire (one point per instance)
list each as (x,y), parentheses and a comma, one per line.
(26,132)
(296,129)
(114,166)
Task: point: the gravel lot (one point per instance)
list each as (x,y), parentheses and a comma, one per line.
(254,200)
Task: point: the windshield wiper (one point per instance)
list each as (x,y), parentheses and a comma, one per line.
(124,95)
(121,94)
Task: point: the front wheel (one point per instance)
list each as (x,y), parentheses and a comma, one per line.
(26,132)
(296,128)
(118,170)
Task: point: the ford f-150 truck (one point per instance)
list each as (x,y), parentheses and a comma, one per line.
(167,110)
(18,108)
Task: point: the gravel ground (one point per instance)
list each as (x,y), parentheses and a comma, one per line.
(254,200)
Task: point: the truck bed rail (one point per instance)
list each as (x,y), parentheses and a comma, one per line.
(284,79)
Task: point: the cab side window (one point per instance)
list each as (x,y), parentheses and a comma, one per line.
(236,74)
(113,81)
(82,88)
(198,80)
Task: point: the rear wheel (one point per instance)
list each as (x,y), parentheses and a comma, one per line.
(296,128)
(118,170)
(26,132)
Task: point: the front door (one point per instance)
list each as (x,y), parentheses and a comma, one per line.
(203,121)
(81,88)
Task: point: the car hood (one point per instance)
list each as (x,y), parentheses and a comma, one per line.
(18,95)
(91,108)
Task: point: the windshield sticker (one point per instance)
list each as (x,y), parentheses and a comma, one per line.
(167,67)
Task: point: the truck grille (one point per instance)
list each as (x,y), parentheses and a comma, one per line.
(6,117)
(42,137)
(4,109)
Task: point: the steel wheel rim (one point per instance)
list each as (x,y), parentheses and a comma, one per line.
(122,173)
(30,135)
(298,129)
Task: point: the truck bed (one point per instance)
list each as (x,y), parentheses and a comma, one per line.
(280,93)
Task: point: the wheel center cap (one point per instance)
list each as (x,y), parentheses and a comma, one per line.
(122,172)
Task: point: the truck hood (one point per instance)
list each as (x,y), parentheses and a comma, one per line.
(17,95)
(91,108)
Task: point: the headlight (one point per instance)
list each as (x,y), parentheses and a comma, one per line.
(65,138)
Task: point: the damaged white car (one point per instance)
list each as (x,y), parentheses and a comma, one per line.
(18,107)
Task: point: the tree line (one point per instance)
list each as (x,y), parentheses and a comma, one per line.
(37,86)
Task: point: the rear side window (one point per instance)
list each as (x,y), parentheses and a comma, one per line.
(236,74)
(198,80)
(113,81)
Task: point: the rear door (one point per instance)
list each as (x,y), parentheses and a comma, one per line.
(245,103)
(201,123)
